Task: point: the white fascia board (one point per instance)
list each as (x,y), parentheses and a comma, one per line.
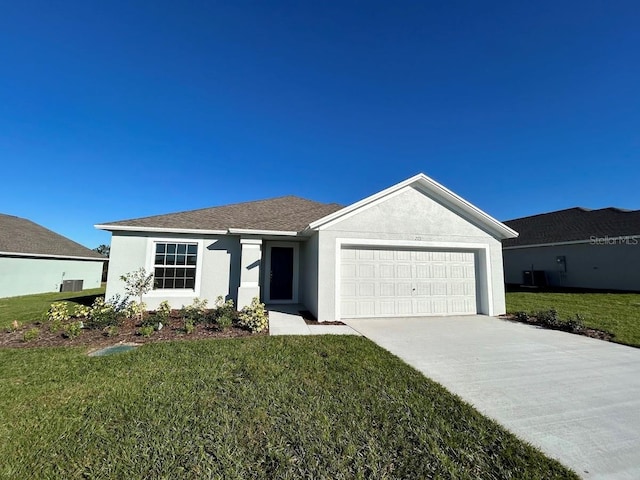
(245,231)
(127,228)
(434,188)
(44,255)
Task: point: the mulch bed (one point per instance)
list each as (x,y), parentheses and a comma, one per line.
(127,333)
(586,331)
(309,319)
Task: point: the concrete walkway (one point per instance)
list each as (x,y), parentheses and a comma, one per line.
(286,320)
(576,398)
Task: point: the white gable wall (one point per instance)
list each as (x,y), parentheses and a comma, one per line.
(408,218)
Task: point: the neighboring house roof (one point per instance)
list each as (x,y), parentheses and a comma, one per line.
(22,237)
(282,214)
(573,225)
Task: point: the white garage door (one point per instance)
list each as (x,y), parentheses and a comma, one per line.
(396,282)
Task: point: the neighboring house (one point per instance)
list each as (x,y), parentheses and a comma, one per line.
(415,248)
(36,260)
(576,248)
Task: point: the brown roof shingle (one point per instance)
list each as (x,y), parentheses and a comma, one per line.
(573,224)
(22,236)
(288,213)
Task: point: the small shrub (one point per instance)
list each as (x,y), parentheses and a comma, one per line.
(576,324)
(110,331)
(224,321)
(72,330)
(135,310)
(103,314)
(55,325)
(224,313)
(189,326)
(137,284)
(196,312)
(548,318)
(521,316)
(146,330)
(254,316)
(30,335)
(81,311)
(163,312)
(58,312)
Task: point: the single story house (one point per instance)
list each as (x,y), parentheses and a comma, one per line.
(575,248)
(34,259)
(415,248)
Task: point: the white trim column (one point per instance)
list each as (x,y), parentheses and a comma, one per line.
(250,262)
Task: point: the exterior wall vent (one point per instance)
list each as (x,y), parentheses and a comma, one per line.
(71,285)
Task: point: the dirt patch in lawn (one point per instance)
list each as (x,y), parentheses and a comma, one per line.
(309,319)
(127,332)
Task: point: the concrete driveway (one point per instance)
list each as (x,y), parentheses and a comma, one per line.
(576,398)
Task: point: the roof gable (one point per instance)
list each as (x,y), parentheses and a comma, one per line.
(574,225)
(19,236)
(434,190)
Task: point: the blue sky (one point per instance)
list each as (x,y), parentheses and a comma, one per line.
(115,110)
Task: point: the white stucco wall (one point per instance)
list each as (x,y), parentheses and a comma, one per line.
(615,267)
(410,218)
(309,274)
(218,266)
(26,276)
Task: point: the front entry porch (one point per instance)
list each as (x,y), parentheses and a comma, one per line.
(269,270)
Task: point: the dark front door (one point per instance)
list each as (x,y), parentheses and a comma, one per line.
(281,283)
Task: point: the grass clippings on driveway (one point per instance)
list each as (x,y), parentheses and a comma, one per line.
(264,407)
(616,313)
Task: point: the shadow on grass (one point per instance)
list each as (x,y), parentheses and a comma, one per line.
(86,300)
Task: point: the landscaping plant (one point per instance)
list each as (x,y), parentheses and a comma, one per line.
(254,316)
(137,283)
(224,313)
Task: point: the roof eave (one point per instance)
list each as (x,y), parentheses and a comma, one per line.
(132,228)
(47,255)
(248,231)
(198,231)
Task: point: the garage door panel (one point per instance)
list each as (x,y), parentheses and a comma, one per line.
(367,290)
(387,289)
(366,270)
(348,270)
(404,289)
(402,282)
(404,307)
(387,271)
(348,289)
(403,271)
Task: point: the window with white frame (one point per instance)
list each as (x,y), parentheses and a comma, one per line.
(174,265)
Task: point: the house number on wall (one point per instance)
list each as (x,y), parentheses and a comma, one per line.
(418,238)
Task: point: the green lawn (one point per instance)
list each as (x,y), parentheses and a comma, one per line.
(264,407)
(617,313)
(30,308)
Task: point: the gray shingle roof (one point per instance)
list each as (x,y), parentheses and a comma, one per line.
(22,236)
(291,214)
(573,224)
